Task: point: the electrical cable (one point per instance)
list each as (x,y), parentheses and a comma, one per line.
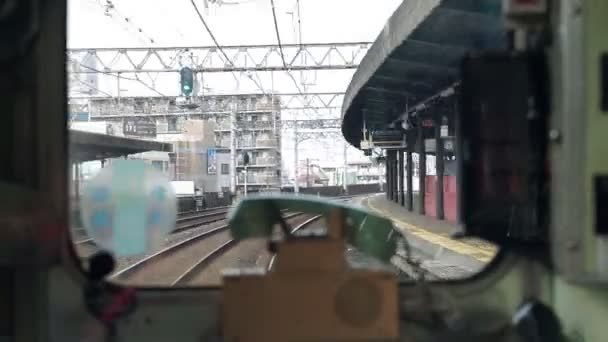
(219,47)
(92,87)
(200,16)
(121,77)
(110,5)
(276,30)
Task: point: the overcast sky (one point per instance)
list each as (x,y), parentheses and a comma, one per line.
(174,23)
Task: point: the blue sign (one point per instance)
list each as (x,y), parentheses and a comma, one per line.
(211,161)
(78,116)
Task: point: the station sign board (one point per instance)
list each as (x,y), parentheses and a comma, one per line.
(449,144)
(430,145)
(524,7)
(78,116)
(388,139)
(139,127)
(386,135)
(428,123)
(211,161)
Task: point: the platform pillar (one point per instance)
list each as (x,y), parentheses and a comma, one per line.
(457,153)
(388,176)
(439,165)
(421,169)
(392,159)
(410,182)
(76,180)
(396,175)
(401,183)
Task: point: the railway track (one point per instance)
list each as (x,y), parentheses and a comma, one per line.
(196,241)
(270,264)
(197,219)
(196,253)
(184,221)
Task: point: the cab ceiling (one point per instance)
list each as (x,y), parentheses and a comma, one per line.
(416,55)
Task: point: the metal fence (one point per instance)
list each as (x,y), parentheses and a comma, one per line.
(215,199)
(338,190)
(205,201)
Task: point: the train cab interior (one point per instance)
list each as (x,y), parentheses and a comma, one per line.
(531,115)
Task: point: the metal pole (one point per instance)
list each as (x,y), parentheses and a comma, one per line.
(307,173)
(177,163)
(391,160)
(458,155)
(118,87)
(401,171)
(378,168)
(245,190)
(296,187)
(439,167)
(232,153)
(345,183)
(276,132)
(389,179)
(422,169)
(76,180)
(410,176)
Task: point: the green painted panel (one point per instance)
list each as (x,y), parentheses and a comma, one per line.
(256,216)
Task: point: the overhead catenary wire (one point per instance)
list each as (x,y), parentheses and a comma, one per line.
(276,30)
(299,24)
(211,35)
(219,47)
(109,5)
(92,87)
(122,77)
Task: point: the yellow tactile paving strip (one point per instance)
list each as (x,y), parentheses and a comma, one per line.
(479,250)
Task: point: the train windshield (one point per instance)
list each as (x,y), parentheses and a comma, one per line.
(179,112)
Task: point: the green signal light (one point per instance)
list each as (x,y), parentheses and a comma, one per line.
(186,80)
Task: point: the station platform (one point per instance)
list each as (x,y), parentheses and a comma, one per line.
(431,242)
(86,146)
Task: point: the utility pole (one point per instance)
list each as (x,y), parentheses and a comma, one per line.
(76,179)
(296,187)
(246,163)
(307,173)
(379,175)
(344,183)
(118,88)
(245,184)
(232,152)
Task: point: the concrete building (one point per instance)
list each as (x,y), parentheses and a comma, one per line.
(218,127)
(253,129)
(194,153)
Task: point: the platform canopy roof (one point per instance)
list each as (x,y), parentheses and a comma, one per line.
(416,56)
(85,146)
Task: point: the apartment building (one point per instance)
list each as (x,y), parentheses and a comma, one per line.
(243,124)
(253,128)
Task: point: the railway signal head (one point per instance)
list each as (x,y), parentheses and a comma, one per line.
(186,81)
